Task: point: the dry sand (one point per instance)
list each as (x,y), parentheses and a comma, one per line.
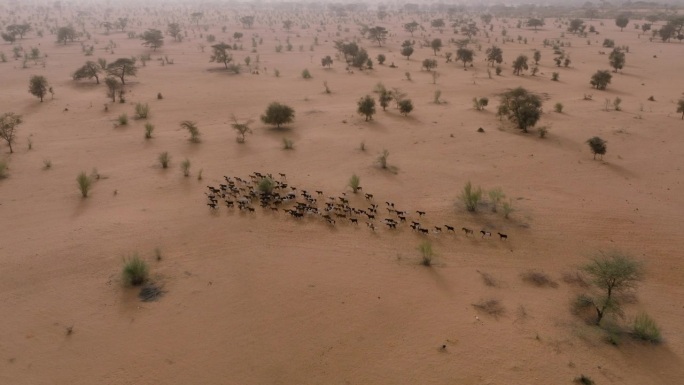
(265,299)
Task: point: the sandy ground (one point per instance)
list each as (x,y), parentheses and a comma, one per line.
(264,298)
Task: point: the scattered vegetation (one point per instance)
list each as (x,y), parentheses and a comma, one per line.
(9,122)
(492,307)
(521,107)
(149,127)
(538,279)
(558,107)
(288,144)
(164,159)
(185,167)
(426,253)
(85,182)
(142,111)
(278,114)
(471,197)
(645,328)
(192,130)
(241,128)
(354,183)
(598,146)
(135,271)
(123,119)
(382,159)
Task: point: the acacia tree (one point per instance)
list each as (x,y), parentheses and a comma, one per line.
(611,275)
(9,122)
(601,79)
(38,86)
(19,29)
(494,54)
(597,146)
(411,27)
(465,55)
(278,114)
(122,67)
(247,21)
(405,106)
(407,50)
(327,61)
(622,21)
(366,107)
(520,64)
(617,59)
(89,70)
(174,30)
(220,54)
(534,23)
(576,25)
(66,33)
(113,86)
(378,34)
(429,64)
(521,107)
(436,45)
(8,37)
(241,128)
(153,38)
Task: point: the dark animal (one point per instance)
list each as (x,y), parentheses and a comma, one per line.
(503,237)
(467,231)
(449,228)
(420,213)
(212,205)
(369,196)
(354,221)
(485,233)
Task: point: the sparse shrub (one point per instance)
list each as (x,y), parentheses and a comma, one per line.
(488,279)
(306,74)
(426,253)
(164,159)
(408,76)
(645,328)
(471,197)
(507,208)
(492,307)
(382,159)
(366,107)
(47,164)
(616,104)
(276,72)
(543,131)
(149,127)
(192,129)
(362,146)
(498,70)
(123,119)
(135,271)
(437,97)
(199,174)
(241,128)
(185,167)
(558,107)
(354,183)
(142,111)
(481,103)
(266,186)
(495,196)
(584,380)
(288,144)
(555,76)
(327,89)
(538,279)
(84,183)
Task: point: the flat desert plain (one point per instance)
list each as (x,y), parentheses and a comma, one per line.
(266,298)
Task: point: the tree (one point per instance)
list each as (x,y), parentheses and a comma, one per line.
(601,79)
(436,45)
(465,55)
(247,21)
(494,54)
(520,64)
(287,25)
(66,33)
(429,64)
(611,275)
(617,59)
(378,34)
(220,54)
(38,86)
(327,61)
(238,35)
(536,56)
(534,23)
(9,122)
(622,21)
(174,30)
(196,17)
(9,37)
(411,27)
(366,107)
(486,18)
(521,107)
(437,23)
(241,128)
(405,106)
(597,146)
(680,107)
(122,67)
(153,38)
(278,114)
(113,86)
(407,51)
(89,70)
(576,25)
(19,29)
(121,23)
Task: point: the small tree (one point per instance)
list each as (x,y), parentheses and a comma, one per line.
(366,107)
(192,129)
(113,86)
(520,64)
(66,33)
(601,79)
(174,29)
(327,61)
(481,103)
(680,107)
(611,274)
(521,107)
(622,21)
(534,23)
(89,70)
(405,106)
(471,197)
(407,51)
(220,54)
(153,38)
(494,55)
(9,122)
(411,27)
(597,146)
(385,98)
(617,59)
(381,59)
(429,64)
(465,55)
(84,183)
(278,114)
(38,86)
(241,128)
(436,45)
(536,56)
(354,183)
(121,68)
(378,34)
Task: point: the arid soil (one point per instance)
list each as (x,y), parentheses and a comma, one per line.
(264,298)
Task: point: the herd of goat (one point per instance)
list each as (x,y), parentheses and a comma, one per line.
(243,193)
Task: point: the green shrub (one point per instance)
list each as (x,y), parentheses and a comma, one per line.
(185,166)
(192,129)
(558,107)
(306,74)
(554,76)
(142,111)
(288,144)
(354,183)
(645,328)
(135,271)
(164,159)
(148,130)
(266,185)
(507,208)
(471,197)
(123,119)
(426,253)
(84,183)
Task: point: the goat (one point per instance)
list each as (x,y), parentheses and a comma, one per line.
(438,229)
(369,196)
(485,233)
(467,231)
(423,231)
(420,213)
(449,228)
(319,192)
(354,221)
(503,237)
(370,226)
(212,205)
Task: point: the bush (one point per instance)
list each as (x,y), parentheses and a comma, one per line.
(471,197)
(543,131)
(306,74)
(555,76)
(507,208)
(148,130)
(288,144)
(558,107)
(185,166)
(135,271)
(492,307)
(354,183)
(84,183)
(584,380)
(278,114)
(426,253)
(266,185)
(405,106)
(538,279)
(498,70)
(142,111)
(645,328)
(598,146)
(192,129)
(382,159)
(123,119)
(381,59)
(164,159)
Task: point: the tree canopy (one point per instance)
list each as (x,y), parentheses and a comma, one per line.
(38,86)
(89,70)
(220,54)
(366,107)
(597,146)
(121,68)
(601,79)
(9,122)
(521,107)
(278,114)
(153,38)
(494,54)
(617,59)
(66,33)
